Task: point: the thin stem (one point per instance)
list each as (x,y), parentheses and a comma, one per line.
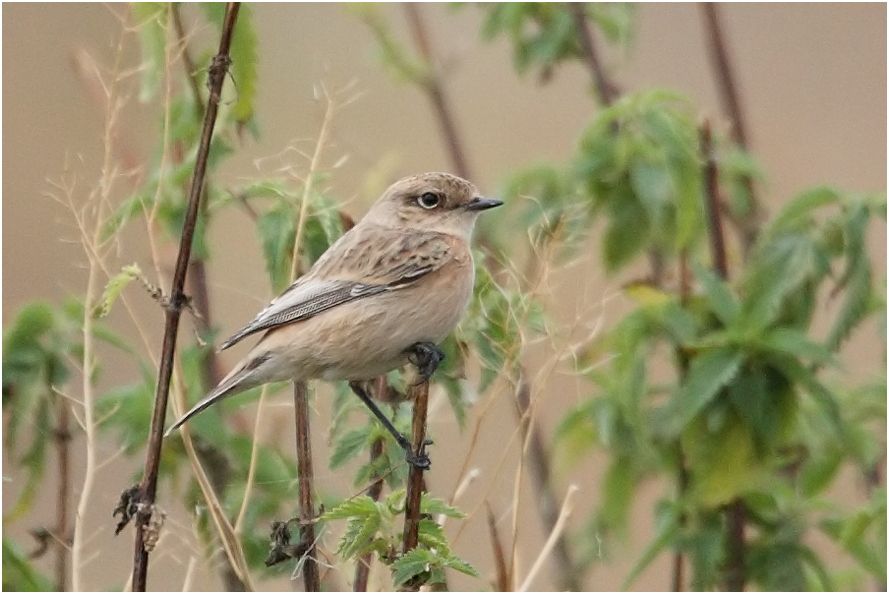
(419,393)
(214,461)
(748,227)
(712,196)
(148,486)
(735,512)
(682,478)
(435,92)
(552,539)
(546,501)
(63,453)
(503,579)
(305,472)
(605,91)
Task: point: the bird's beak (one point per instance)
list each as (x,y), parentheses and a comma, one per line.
(479,203)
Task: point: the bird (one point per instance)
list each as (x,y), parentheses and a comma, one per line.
(386,293)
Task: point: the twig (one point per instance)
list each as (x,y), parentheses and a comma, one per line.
(362,569)
(214,461)
(748,227)
(553,538)
(504,580)
(305,473)
(306,478)
(682,478)
(714,217)
(540,469)
(735,512)
(91,241)
(435,92)
(419,393)
(148,486)
(605,91)
(63,453)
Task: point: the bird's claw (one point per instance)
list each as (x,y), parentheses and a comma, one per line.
(420,459)
(426,357)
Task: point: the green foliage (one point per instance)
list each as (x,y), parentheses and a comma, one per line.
(372,528)
(36,349)
(544,35)
(19,575)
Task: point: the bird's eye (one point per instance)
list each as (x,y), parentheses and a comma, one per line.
(429,200)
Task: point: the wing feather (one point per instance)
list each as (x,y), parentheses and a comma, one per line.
(363,262)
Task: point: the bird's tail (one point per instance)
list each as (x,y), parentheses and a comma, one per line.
(237,381)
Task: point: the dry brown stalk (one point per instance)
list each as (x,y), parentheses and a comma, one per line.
(177,299)
(419,394)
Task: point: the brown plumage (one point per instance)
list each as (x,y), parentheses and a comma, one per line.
(403,275)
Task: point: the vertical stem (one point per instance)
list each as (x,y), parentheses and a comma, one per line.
(605,91)
(306,478)
(63,441)
(177,299)
(436,93)
(419,393)
(735,512)
(682,477)
(731,102)
(213,460)
(714,216)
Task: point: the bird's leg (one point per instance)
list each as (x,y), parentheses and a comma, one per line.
(419,459)
(426,357)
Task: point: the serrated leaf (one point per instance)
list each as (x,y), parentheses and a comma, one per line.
(433,505)
(349,445)
(707,374)
(460,565)
(361,506)
(410,565)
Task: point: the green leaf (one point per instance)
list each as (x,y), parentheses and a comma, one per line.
(797,212)
(349,445)
(18,573)
(412,564)
(460,565)
(361,506)
(792,342)
(114,287)
(433,506)
(707,374)
(277,233)
(722,301)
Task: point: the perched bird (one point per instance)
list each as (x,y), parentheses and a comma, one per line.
(387,292)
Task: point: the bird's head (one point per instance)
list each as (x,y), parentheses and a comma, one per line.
(431,202)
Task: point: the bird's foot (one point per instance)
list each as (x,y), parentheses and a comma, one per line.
(420,459)
(426,357)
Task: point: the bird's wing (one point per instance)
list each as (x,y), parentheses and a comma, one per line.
(365,261)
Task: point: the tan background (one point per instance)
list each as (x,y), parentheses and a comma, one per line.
(813,79)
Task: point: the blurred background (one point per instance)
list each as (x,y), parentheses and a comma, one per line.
(813,83)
